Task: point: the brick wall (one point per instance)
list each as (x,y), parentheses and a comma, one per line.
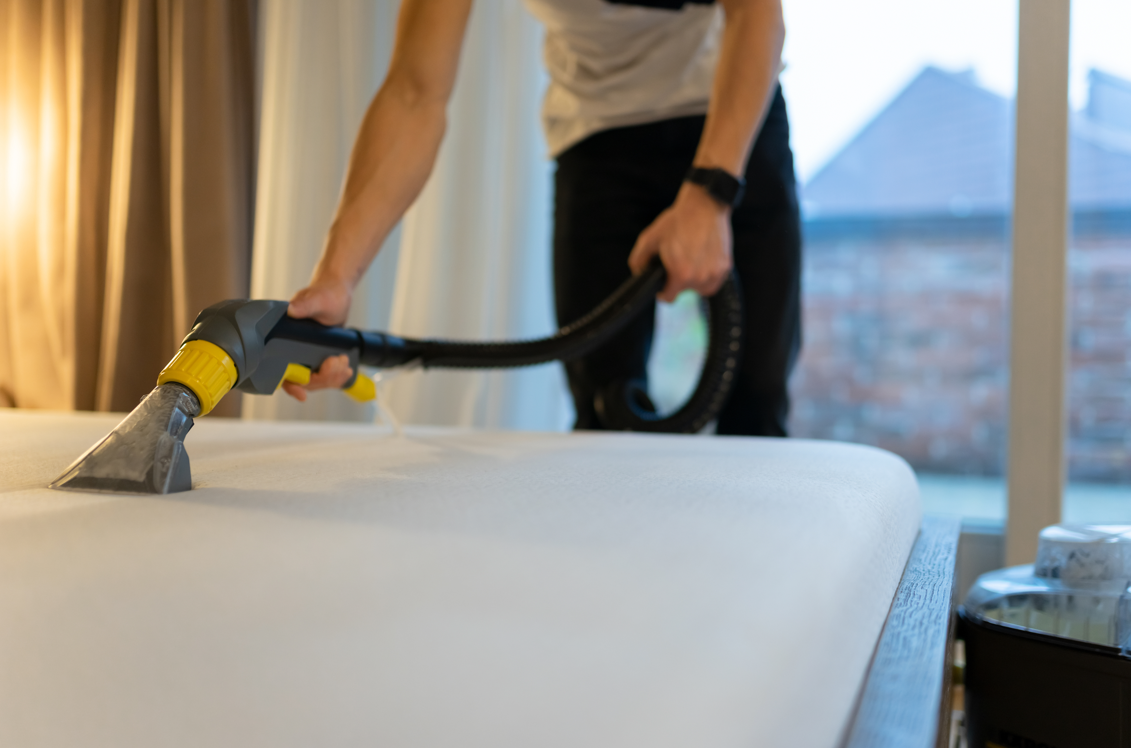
(1099,414)
(906,343)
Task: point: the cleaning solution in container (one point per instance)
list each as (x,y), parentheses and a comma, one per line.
(1048,645)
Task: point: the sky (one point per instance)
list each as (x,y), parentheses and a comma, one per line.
(846,60)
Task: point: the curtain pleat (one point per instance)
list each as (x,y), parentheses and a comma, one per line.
(92,79)
(127,144)
(213,74)
(39,123)
(137,329)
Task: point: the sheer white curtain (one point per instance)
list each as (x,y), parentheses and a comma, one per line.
(320,64)
(475,261)
(472,259)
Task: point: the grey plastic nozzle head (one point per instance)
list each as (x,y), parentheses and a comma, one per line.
(145,453)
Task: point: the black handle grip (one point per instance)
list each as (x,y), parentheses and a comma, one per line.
(376,349)
(315,333)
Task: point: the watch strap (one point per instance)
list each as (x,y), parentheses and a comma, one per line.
(719,184)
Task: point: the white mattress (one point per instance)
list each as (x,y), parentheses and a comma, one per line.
(332,585)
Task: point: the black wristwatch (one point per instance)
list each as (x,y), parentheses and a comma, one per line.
(719,184)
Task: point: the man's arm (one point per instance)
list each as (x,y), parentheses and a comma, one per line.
(392,157)
(693,236)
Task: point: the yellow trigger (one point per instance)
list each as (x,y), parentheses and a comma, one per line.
(363,389)
(296,373)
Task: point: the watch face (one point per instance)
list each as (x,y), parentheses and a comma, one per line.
(723,187)
(719,184)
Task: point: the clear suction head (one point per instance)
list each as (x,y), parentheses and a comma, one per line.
(145,453)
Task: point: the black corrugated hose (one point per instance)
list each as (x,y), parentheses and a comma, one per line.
(622,405)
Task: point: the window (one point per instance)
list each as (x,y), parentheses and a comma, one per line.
(1099,265)
(903,134)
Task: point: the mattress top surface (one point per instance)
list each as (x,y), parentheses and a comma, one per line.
(336,585)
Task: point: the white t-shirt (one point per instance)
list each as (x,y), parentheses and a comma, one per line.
(616,65)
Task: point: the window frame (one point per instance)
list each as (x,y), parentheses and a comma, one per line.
(1038,311)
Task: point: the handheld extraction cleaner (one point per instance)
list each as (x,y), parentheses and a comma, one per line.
(254,346)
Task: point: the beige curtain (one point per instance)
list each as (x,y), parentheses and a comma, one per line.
(127,147)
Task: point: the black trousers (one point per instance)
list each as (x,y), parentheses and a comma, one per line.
(610,187)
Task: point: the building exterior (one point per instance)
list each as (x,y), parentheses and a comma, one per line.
(907,271)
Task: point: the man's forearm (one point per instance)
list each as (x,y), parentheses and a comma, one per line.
(745,78)
(391,160)
(399,137)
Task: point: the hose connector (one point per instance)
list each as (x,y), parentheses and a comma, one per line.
(203,367)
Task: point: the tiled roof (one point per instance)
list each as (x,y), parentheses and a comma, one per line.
(944,146)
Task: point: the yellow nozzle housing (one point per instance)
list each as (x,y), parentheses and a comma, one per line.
(203,367)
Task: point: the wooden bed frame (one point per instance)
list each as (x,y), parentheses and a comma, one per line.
(906,698)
